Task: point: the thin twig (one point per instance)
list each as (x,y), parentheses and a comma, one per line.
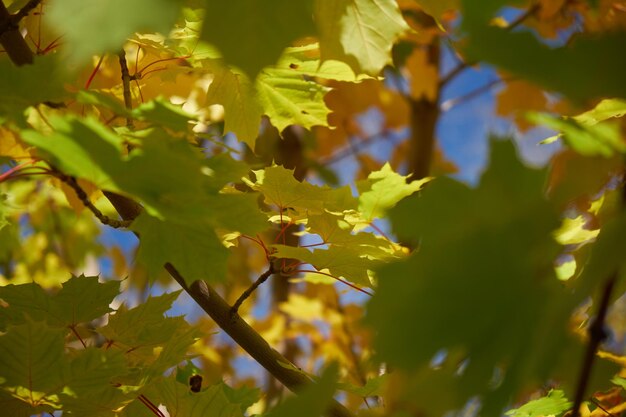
(82,196)
(596,335)
(448,104)
(466,64)
(247,293)
(128,100)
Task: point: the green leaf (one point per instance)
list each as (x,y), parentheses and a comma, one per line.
(552,404)
(236,212)
(283,191)
(140,330)
(305,61)
(30,85)
(82,148)
(164,173)
(341,262)
(180,401)
(382,190)
(289,98)
(484,272)
(335,231)
(223,170)
(286,94)
(120,18)
(373,386)
(359,32)
(252,34)
(606,109)
(82,299)
(196,252)
(311,401)
(603,139)
(242,111)
(24,301)
(32,362)
(161,112)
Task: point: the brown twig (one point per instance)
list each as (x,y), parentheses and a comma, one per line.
(82,196)
(126,78)
(247,293)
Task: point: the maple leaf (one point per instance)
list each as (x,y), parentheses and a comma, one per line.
(382,190)
(368,30)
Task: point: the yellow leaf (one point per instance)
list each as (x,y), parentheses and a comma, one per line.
(11,146)
(517,98)
(303,308)
(74,202)
(423,74)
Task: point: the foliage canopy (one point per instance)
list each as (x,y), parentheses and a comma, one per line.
(159,158)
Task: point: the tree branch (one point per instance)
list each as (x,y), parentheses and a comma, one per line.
(236,327)
(11,39)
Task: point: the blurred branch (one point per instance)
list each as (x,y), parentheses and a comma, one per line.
(11,39)
(450,103)
(466,64)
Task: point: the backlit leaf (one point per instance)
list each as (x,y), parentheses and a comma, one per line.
(367,31)
(552,404)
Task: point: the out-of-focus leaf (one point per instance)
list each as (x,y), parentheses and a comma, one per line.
(552,404)
(137,16)
(456,280)
(312,400)
(252,34)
